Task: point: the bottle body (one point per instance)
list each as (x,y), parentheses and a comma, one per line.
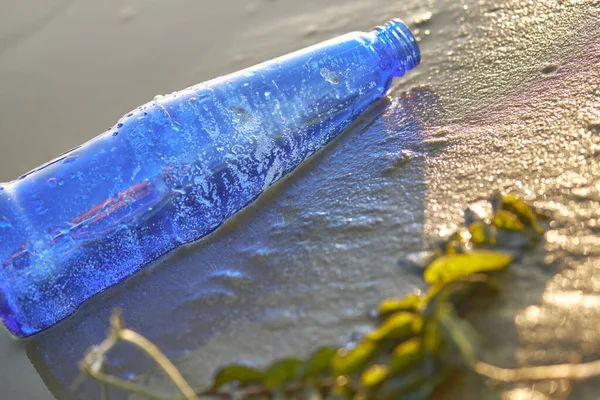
(175,169)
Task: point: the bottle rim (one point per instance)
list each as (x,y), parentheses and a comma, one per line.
(403,45)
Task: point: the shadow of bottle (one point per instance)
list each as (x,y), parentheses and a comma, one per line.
(328,234)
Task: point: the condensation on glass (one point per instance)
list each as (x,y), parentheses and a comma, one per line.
(174,169)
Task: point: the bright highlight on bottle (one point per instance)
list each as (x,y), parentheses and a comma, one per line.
(174,169)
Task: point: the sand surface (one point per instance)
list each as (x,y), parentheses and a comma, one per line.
(507,97)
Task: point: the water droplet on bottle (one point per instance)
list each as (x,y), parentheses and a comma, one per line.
(247,122)
(115,133)
(51,182)
(119,125)
(329,76)
(267,94)
(70,159)
(61,182)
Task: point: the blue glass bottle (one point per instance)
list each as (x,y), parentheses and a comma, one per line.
(175,169)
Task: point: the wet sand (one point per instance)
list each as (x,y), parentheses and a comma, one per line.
(507,97)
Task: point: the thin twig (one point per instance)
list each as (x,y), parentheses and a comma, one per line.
(93,362)
(129,336)
(103,391)
(572,372)
(78,381)
(103,387)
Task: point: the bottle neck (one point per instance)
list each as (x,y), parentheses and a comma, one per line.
(397,46)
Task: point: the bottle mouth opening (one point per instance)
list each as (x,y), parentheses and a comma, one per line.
(400,40)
